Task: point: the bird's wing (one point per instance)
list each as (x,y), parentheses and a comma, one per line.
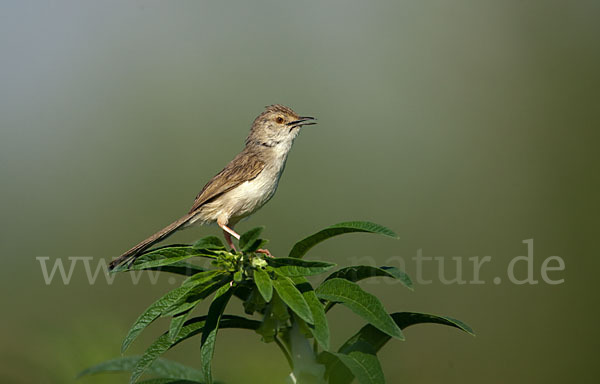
(244,167)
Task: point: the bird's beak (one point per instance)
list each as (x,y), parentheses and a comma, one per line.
(303,120)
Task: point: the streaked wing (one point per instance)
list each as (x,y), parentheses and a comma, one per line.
(244,167)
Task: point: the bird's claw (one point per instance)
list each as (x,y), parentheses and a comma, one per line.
(265,252)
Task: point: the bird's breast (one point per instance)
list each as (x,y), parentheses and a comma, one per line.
(247,197)
(251,195)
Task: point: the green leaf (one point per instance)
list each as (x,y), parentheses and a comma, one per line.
(254,302)
(199,280)
(279,309)
(180,268)
(160,346)
(151,314)
(360,302)
(275,318)
(361,364)
(360,272)
(164,256)
(248,238)
(161,367)
(243,291)
(238,277)
(210,243)
(303,246)
(320,330)
(377,339)
(191,328)
(292,297)
(293,267)
(209,333)
(176,324)
(161,259)
(370,340)
(258,244)
(263,283)
(198,287)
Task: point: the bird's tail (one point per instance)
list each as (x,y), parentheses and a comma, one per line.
(158,236)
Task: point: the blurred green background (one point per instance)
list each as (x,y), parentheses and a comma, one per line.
(466,126)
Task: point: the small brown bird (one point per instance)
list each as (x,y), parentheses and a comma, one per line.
(246,183)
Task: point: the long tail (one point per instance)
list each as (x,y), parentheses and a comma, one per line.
(158,236)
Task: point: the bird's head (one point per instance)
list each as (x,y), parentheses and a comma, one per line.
(278,125)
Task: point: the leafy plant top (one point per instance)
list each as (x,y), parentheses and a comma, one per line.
(287,309)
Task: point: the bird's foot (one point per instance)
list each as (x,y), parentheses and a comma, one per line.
(265,252)
(227,233)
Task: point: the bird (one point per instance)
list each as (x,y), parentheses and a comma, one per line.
(246,183)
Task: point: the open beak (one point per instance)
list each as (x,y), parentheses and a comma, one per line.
(303,120)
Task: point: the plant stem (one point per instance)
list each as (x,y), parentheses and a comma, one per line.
(285,352)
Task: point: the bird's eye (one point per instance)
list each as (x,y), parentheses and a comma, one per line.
(279,120)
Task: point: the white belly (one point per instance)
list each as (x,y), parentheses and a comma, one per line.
(251,195)
(243,200)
